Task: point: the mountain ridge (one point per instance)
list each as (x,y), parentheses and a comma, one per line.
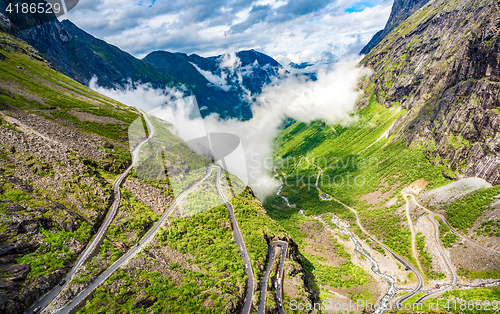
(401,10)
(81,56)
(444,68)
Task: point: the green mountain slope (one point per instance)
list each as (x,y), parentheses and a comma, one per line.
(428,117)
(62,146)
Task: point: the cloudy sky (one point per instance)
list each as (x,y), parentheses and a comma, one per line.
(288,30)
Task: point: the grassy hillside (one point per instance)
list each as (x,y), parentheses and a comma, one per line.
(356,160)
(62,146)
(366,165)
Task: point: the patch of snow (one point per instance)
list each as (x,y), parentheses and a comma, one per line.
(215,80)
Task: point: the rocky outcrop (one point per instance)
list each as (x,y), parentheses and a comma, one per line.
(5,25)
(401,10)
(150,196)
(41,286)
(49,133)
(443,66)
(22,20)
(293,267)
(19,291)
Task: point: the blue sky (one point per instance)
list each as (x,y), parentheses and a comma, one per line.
(359,6)
(288,30)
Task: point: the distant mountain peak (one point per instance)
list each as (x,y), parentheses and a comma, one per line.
(82,56)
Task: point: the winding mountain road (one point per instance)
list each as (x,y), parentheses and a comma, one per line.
(96,240)
(134,250)
(451,228)
(454,279)
(82,297)
(400,259)
(433,218)
(412,231)
(265,278)
(408,265)
(238,239)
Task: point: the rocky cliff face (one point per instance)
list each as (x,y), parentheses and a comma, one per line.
(401,10)
(12,22)
(443,66)
(5,24)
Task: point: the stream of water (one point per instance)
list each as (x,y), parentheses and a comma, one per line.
(383,306)
(286,199)
(384,303)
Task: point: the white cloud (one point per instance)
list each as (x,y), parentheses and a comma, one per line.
(230,62)
(215,80)
(207,28)
(331,98)
(141,96)
(307,55)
